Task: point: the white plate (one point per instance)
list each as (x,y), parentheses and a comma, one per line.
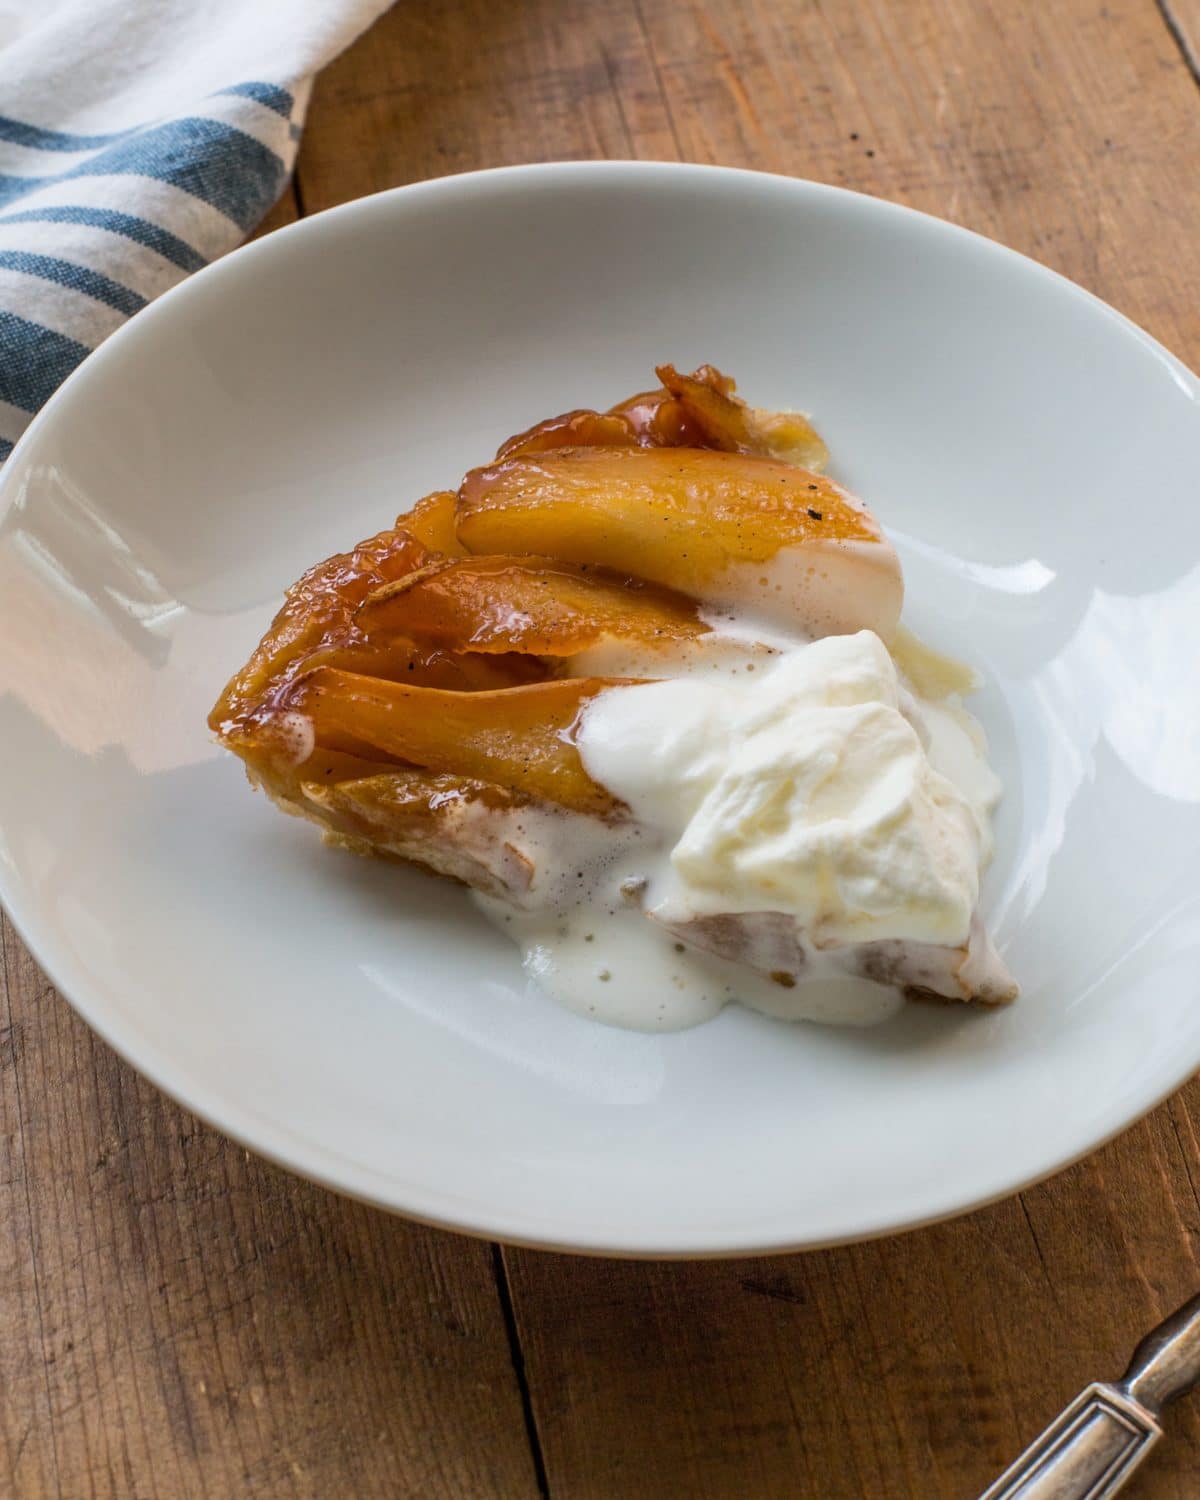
(1035,456)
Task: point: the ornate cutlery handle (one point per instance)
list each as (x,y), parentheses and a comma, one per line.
(1091,1449)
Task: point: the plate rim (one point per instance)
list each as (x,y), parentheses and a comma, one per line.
(320,1165)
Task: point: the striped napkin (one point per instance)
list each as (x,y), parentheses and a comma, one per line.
(139,139)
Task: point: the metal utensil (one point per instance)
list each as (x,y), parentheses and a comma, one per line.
(1091,1448)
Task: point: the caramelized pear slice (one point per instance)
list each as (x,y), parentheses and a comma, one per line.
(519,738)
(431,521)
(270,752)
(427,664)
(650,419)
(688,411)
(317,610)
(511,604)
(574,429)
(660,421)
(728,528)
(707,397)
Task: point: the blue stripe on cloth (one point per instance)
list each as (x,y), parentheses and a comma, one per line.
(269,94)
(153,236)
(78,278)
(18,133)
(216,163)
(34,361)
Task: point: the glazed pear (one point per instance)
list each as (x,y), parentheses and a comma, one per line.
(731,529)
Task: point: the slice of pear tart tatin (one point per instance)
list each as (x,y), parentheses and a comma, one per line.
(416,692)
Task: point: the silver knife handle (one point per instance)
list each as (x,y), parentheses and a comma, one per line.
(1166,1364)
(1087,1453)
(1092,1448)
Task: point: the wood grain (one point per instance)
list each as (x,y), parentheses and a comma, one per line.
(179,1319)
(911,1367)
(1068,130)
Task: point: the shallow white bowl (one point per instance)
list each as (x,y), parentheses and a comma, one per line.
(1033,453)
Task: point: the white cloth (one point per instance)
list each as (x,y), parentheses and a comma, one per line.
(139,140)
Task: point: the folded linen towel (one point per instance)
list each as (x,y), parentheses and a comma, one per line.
(139,140)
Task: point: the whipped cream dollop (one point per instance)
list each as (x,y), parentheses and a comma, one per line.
(803,830)
(811,783)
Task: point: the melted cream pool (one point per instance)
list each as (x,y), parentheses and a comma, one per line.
(618,967)
(591,928)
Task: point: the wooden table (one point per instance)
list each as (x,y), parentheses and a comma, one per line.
(179,1319)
